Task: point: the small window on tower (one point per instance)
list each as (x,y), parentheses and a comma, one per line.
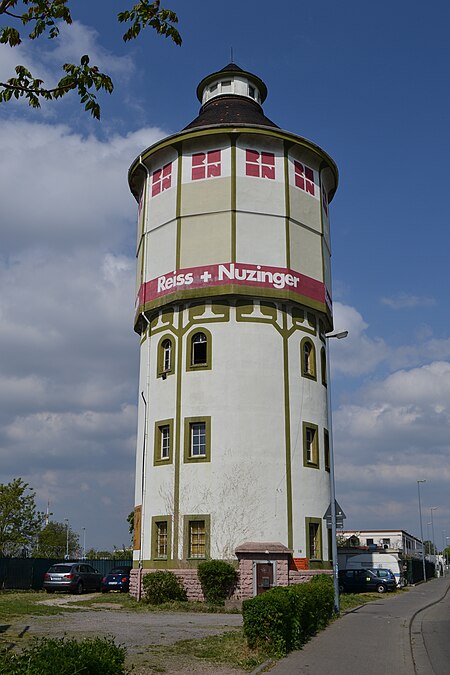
(251,91)
(199,350)
(310,445)
(226,86)
(308,357)
(213,88)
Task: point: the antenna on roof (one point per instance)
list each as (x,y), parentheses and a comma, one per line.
(231,55)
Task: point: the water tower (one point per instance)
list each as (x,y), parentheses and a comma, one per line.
(233,302)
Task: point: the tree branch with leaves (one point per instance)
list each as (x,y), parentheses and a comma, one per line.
(45,18)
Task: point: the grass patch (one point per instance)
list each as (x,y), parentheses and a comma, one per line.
(129,604)
(15,604)
(349,601)
(229,649)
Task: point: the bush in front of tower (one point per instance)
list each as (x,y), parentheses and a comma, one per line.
(218,579)
(163,586)
(284,618)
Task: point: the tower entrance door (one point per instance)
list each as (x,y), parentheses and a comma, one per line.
(264,577)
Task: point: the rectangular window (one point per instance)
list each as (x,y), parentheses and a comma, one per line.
(259,164)
(161,537)
(162,179)
(304,178)
(314,542)
(310,445)
(163,442)
(369,542)
(206,165)
(197,539)
(326,450)
(198,439)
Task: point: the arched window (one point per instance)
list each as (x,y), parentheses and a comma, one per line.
(166,347)
(199,351)
(166,357)
(308,358)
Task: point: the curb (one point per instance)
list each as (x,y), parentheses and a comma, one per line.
(419,652)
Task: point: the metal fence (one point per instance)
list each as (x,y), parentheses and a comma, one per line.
(28,573)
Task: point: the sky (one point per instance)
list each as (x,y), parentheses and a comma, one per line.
(369,83)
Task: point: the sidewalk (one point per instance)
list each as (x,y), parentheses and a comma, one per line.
(374,638)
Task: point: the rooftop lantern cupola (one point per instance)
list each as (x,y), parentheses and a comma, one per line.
(231,80)
(231,96)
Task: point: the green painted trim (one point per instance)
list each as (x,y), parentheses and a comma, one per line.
(209,345)
(154,539)
(157,459)
(287,205)
(231,290)
(178,207)
(314,521)
(177,439)
(312,373)
(315,463)
(326,450)
(214,130)
(186,539)
(160,372)
(233,198)
(197,311)
(287,435)
(188,458)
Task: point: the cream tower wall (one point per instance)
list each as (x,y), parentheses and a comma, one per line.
(233,241)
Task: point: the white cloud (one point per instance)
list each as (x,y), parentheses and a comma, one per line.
(405,300)
(396,432)
(69,353)
(359,353)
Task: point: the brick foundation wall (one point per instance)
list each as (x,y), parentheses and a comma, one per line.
(244,589)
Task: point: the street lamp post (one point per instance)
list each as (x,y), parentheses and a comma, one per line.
(66,520)
(84,543)
(421,529)
(339,336)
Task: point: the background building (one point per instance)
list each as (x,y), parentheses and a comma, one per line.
(233,302)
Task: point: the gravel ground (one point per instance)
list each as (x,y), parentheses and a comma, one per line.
(143,634)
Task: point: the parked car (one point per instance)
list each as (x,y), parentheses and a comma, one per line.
(117,580)
(72,577)
(354,581)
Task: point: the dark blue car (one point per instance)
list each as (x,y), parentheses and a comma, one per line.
(117,580)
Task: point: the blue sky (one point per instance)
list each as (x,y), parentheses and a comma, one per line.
(370,85)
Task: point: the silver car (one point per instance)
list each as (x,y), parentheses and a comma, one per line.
(72,577)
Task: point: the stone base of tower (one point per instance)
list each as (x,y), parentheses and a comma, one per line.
(262,565)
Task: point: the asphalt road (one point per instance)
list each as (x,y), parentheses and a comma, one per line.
(407,635)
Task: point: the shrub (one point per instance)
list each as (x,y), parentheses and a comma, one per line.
(284,618)
(217,579)
(163,586)
(64,656)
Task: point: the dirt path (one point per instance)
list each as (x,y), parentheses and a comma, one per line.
(147,636)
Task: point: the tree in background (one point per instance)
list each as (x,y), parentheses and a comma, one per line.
(45,17)
(53,541)
(430,548)
(20,522)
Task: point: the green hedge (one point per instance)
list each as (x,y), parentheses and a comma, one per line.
(284,618)
(163,586)
(64,656)
(217,579)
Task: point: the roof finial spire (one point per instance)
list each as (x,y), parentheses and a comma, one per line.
(231,55)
